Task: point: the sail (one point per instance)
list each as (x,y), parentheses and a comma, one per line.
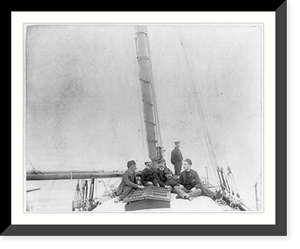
(82,110)
(83,98)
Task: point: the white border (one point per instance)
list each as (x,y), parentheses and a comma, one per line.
(19,18)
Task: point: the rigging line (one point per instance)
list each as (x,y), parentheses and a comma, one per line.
(201,105)
(211,133)
(251,188)
(139,104)
(154,94)
(210,152)
(222,128)
(202,108)
(30,163)
(200,112)
(198,132)
(205,134)
(48,195)
(204,114)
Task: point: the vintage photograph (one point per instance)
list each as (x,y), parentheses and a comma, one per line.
(144,117)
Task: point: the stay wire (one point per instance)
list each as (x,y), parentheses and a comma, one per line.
(200,109)
(198,132)
(154,96)
(48,195)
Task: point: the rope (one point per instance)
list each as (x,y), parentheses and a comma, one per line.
(251,188)
(204,117)
(198,132)
(30,163)
(48,195)
(221,122)
(200,108)
(200,112)
(158,130)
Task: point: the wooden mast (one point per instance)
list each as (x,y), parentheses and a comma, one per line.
(148,98)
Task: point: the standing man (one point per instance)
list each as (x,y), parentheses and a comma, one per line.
(176,158)
(128,182)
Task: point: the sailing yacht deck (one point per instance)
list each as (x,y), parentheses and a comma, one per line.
(198,204)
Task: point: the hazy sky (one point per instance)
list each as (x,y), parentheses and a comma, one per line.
(83,104)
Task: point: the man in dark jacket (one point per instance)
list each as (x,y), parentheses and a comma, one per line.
(149,175)
(176,158)
(128,182)
(189,180)
(173,181)
(161,170)
(190,183)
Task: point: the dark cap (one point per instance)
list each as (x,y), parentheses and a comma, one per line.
(161,160)
(130,163)
(176,142)
(168,171)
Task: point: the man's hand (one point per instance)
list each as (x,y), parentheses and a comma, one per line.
(157,185)
(169,187)
(150,183)
(141,186)
(192,190)
(181,186)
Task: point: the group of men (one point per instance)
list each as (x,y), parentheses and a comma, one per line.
(186,184)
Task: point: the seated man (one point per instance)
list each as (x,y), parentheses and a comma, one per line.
(190,183)
(128,182)
(173,181)
(161,169)
(149,175)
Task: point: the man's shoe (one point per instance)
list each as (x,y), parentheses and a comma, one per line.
(218,195)
(186,197)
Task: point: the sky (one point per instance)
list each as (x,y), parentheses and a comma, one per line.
(84,107)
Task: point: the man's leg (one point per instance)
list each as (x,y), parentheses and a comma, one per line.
(207,192)
(197,192)
(181,192)
(126,191)
(155,182)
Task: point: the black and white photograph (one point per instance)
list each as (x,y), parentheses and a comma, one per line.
(143,117)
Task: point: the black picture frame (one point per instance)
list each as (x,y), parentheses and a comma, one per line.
(278,229)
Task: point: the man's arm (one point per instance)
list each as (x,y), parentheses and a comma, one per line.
(177,157)
(197,180)
(180,179)
(128,181)
(143,178)
(160,180)
(172,157)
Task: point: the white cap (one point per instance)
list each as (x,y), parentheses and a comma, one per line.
(147,160)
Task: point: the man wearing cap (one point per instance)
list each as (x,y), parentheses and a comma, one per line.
(176,158)
(149,175)
(161,170)
(128,182)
